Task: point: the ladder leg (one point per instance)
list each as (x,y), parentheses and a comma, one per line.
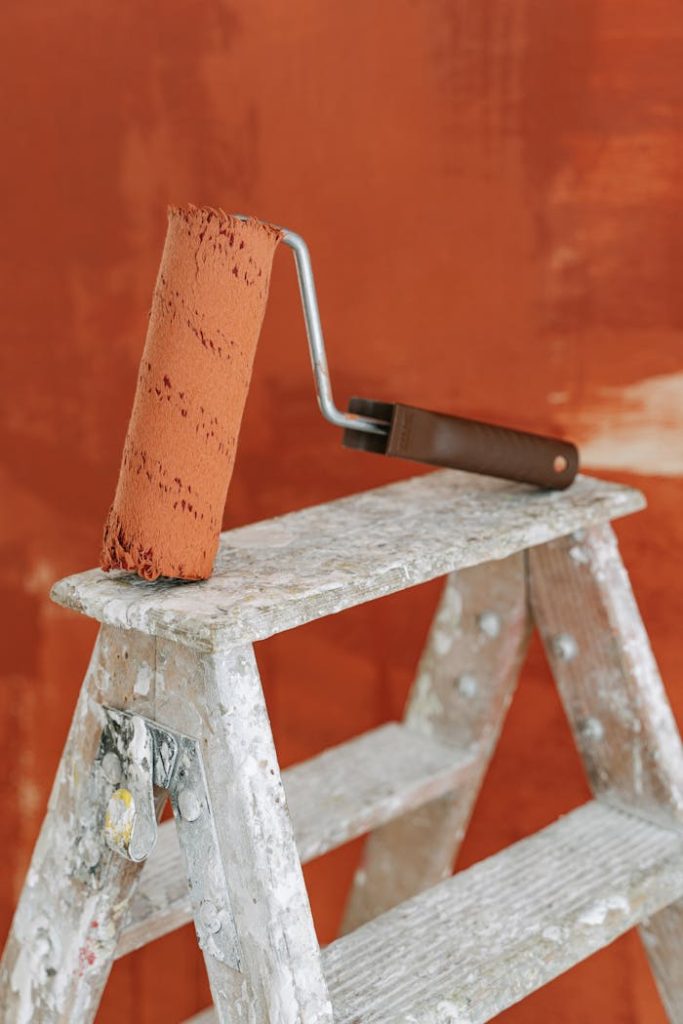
(280,979)
(616,704)
(464,684)
(662,936)
(63,938)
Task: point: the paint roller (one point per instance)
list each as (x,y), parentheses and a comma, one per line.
(207,309)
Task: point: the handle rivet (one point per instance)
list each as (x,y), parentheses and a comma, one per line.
(560,463)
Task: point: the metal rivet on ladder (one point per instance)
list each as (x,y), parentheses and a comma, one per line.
(489,623)
(592,729)
(579,555)
(564,646)
(111,767)
(208,914)
(189,805)
(467,684)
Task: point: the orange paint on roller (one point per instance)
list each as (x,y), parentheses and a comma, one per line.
(208,307)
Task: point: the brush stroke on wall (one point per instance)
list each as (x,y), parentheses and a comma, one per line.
(638,428)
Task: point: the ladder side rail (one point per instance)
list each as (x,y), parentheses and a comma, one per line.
(72,907)
(280,978)
(464,684)
(662,936)
(616,703)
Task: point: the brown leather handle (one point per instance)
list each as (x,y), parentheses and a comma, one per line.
(471,445)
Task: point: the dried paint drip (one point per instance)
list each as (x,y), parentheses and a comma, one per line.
(208,307)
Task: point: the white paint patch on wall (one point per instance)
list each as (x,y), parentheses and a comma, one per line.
(637,428)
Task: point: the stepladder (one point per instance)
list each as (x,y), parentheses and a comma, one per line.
(172,708)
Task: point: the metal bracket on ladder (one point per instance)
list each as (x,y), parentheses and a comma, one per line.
(138,764)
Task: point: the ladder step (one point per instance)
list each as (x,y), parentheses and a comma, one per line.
(471,946)
(476,944)
(280,573)
(332,798)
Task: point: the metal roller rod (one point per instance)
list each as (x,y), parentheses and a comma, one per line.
(316,341)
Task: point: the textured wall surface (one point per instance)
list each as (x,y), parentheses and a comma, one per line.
(491,193)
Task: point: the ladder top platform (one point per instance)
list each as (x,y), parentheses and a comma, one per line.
(279,573)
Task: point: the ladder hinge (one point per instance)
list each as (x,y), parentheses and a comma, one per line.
(138,765)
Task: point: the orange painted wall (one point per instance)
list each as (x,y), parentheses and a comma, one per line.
(492,195)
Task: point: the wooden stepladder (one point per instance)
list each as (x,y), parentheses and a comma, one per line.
(172,708)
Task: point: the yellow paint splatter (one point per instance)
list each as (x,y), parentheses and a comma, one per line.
(119,819)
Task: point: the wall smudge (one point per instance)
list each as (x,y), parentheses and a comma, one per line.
(638,428)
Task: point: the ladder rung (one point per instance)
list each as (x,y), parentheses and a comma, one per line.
(336,796)
(496,932)
(481,941)
(274,575)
